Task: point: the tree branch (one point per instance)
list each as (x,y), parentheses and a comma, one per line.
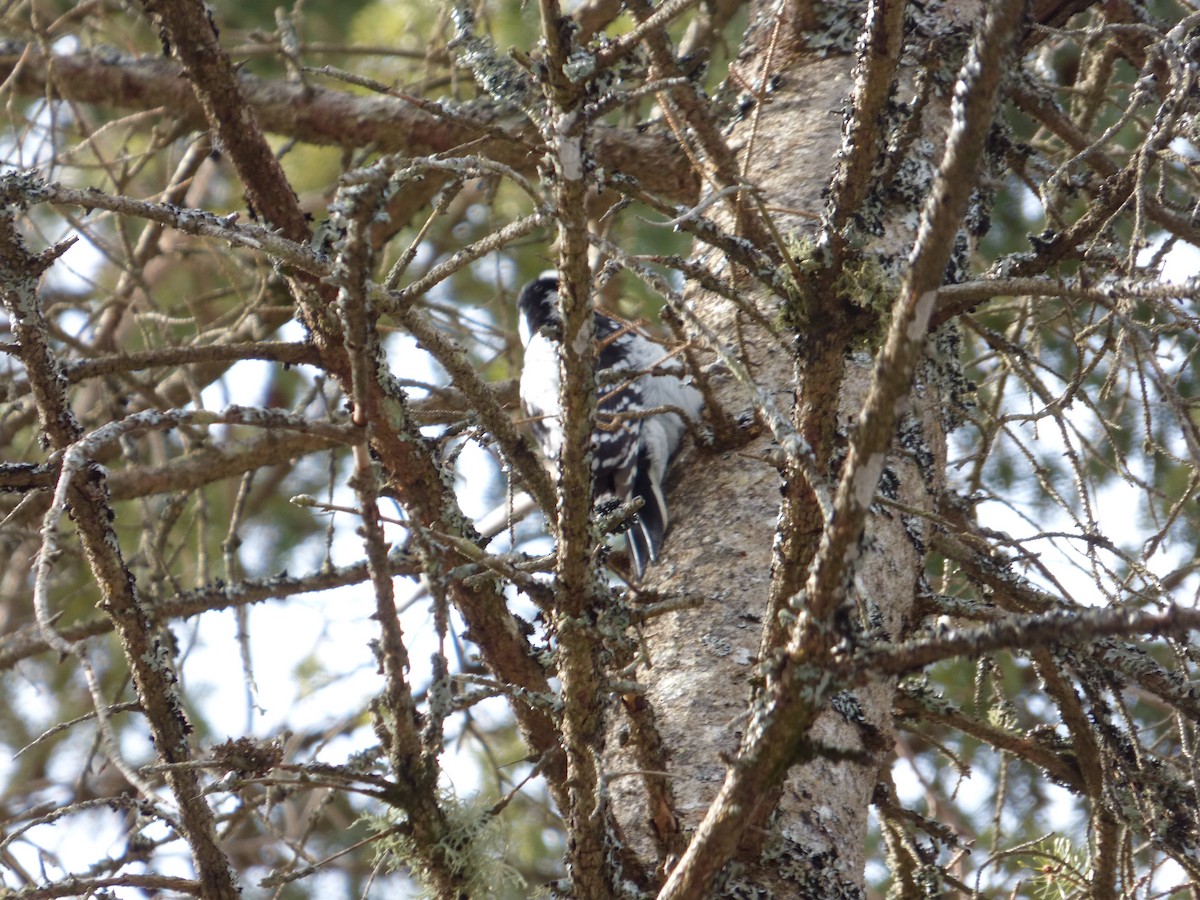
(324,117)
(1059,626)
(29,641)
(85,484)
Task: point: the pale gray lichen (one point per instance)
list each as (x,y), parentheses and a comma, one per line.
(472,848)
(499,77)
(839,24)
(20,189)
(579,65)
(716,644)
(845,704)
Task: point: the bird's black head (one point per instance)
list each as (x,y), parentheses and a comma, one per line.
(538,305)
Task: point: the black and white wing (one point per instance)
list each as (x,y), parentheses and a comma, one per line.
(630,449)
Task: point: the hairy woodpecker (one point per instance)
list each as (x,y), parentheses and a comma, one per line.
(630,450)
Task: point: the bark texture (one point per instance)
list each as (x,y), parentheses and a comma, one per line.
(703,665)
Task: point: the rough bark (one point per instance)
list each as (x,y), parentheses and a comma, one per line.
(703,665)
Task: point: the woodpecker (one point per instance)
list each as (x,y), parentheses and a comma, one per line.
(630,452)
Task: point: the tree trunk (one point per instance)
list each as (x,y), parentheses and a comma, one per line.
(703,666)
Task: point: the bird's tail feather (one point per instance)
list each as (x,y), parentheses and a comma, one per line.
(646,536)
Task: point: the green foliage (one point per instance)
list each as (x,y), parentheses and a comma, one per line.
(1059,869)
